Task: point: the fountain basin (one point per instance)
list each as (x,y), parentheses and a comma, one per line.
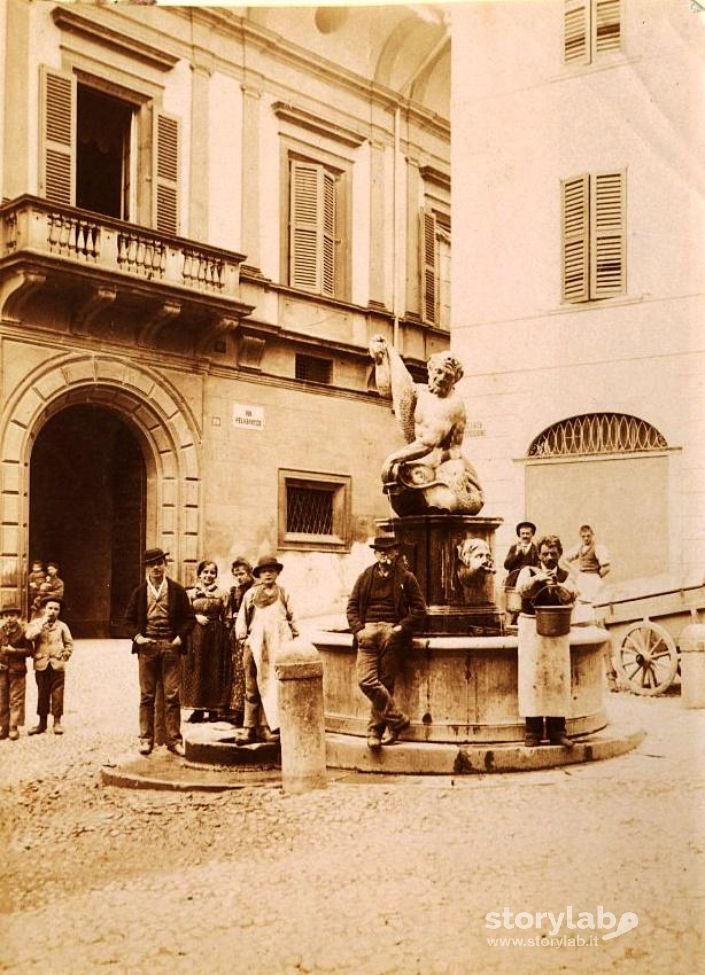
(460,690)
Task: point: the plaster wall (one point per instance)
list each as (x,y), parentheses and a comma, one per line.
(522,121)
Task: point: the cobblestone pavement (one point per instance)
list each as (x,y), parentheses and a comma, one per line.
(367,877)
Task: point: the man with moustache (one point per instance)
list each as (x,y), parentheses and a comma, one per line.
(160,617)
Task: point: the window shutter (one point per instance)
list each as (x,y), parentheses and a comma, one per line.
(606,25)
(607,244)
(166,172)
(429,267)
(57,180)
(328,234)
(575,211)
(575,32)
(303,226)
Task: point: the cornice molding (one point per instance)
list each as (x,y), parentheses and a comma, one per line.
(313,123)
(69,20)
(432,175)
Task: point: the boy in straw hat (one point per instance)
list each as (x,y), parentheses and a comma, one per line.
(264,622)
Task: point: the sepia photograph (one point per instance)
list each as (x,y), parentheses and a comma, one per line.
(352,487)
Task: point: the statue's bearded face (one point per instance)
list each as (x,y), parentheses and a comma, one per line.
(440,379)
(475,555)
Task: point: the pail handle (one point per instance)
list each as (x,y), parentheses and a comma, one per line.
(553,588)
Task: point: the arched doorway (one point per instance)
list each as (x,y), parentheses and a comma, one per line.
(87,510)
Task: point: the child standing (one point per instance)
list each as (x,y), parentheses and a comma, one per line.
(53,645)
(14,649)
(37,577)
(51,585)
(265,621)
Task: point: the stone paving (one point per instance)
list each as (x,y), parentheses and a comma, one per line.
(375,876)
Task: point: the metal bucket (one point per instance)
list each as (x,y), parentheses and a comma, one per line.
(553,620)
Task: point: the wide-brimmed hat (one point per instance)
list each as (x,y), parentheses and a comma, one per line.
(266,562)
(526,524)
(11,609)
(154,555)
(382,542)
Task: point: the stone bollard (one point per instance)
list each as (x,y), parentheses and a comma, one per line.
(299,670)
(692,645)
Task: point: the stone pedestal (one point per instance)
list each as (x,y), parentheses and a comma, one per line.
(459,600)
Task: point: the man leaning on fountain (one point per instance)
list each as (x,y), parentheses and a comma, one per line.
(384,608)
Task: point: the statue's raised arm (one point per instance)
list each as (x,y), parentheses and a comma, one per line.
(431,472)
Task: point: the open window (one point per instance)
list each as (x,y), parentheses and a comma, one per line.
(92,154)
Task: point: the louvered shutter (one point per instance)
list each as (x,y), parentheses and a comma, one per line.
(166,172)
(312,228)
(328,234)
(575,211)
(607,237)
(429,267)
(57,180)
(576,32)
(606,25)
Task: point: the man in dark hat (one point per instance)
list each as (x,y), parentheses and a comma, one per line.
(160,617)
(384,608)
(524,552)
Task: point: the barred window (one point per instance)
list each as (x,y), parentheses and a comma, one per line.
(597,433)
(314,368)
(309,511)
(314,510)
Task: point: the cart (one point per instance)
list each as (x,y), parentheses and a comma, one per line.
(645,629)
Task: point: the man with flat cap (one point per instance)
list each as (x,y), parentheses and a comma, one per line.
(384,608)
(160,617)
(522,553)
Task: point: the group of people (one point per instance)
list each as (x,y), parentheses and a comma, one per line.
(45,639)
(209,648)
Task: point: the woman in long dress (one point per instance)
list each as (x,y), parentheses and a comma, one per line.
(205,675)
(243,580)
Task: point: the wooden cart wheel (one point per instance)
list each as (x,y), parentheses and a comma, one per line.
(648,658)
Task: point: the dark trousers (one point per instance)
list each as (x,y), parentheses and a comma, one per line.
(159,666)
(50,692)
(554,727)
(377,665)
(12,695)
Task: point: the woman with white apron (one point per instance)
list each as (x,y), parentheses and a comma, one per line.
(544,661)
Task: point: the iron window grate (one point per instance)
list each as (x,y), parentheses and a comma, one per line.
(309,511)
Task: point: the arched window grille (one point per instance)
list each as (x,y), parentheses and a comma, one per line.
(597,433)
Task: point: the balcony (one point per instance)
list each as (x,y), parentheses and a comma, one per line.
(84,272)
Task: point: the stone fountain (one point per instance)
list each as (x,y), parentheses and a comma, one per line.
(459,683)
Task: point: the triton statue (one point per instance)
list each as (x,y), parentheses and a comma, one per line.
(430,473)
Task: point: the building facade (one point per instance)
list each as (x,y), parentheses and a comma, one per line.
(579,130)
(206,215)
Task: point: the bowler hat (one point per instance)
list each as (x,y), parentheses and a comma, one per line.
(526,524)
(154,555)
(11,609)
(384,541)
(266,562)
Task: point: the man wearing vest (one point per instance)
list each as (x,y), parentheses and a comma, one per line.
(160,617)
(384,607)
(592,562)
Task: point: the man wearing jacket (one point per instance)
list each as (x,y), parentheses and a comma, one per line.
(384,607)
(160,617)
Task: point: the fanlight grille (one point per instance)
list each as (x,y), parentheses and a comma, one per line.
(597,433)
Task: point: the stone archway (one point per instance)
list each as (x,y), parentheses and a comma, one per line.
(162,421)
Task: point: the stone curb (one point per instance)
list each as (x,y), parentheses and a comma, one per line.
(414,758)
(164,771)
